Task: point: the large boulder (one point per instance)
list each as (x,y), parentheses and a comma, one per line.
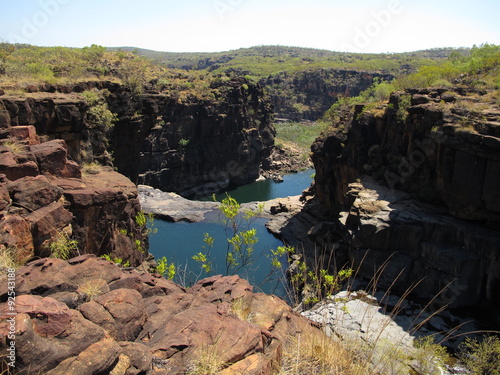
(121,310)
(34,192)
(48,332)
(51,156)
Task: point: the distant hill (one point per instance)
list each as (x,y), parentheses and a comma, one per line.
(261,61)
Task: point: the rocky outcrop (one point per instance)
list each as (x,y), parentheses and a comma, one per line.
(47,203)
(173,207)
(309,94)
(60,112)
(383,326)
(431,210)
(92,317)
(189,147)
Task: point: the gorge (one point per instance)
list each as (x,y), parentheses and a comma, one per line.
(408,187)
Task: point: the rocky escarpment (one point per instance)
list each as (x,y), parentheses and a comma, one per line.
(429,207)
(190,147)
(47,202)
(92,317)
(308,95)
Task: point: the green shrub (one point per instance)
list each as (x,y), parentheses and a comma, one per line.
(164,268)
(429,357)
(241,239)
(183,143)
(403,105)
(118,261)
(100,115)
(92,96)
(482,357)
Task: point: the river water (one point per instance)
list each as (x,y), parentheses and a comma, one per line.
(180,241)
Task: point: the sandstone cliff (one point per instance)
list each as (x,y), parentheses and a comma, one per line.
(187,146)
(46,203)
(430,206)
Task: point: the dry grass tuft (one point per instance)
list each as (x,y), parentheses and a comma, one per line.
(313,352)
(91,168)
(207,360)
(241,308)
(10,258)
(14,146)
(93,288)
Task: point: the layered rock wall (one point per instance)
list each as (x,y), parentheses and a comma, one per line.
(47,202)
(429,207)
(189,147)
(308,95)
(196,147)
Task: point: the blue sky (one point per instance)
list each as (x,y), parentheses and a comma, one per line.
(221,25)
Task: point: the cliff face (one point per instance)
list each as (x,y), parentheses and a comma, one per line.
(189,147)
(60,112)
(429,203)
(308,95)
(194,148)
(46,203)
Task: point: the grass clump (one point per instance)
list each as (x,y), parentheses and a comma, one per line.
(61,246)
(10,258)
(91,168)
(93,288)
(313,352)
(241,308)
(14,146)
(207,360)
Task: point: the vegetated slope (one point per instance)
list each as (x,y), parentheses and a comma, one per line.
(303,82)
(261,61)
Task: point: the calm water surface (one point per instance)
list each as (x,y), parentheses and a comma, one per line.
(180,241)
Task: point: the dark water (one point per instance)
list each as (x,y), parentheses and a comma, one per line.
(293,184)
(180,241)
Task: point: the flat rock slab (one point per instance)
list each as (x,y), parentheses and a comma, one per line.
(173,207)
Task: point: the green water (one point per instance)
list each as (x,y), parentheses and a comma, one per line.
(180,241)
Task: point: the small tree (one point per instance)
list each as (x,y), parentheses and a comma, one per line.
(6,49)
(241,238)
